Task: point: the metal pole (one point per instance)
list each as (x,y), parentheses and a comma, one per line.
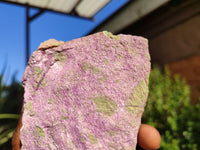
(27,35)
(28,21)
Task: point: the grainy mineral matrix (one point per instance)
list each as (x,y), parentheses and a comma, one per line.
(85,94)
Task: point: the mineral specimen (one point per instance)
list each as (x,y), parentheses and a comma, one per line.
(88,93)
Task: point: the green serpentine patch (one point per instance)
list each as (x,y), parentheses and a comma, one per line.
(105,105)
(38,73)
(138,96)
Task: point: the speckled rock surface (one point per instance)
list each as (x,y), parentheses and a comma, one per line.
(88,93)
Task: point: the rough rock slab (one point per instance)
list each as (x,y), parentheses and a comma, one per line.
(88,93)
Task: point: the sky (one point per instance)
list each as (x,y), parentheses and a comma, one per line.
(47,26)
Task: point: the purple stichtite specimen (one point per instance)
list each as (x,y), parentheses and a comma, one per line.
(88,93)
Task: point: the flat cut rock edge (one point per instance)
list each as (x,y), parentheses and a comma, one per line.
(88,93)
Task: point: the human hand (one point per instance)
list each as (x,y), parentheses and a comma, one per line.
(148,138)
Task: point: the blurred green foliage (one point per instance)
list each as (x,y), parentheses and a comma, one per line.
(11,98)
(169,109)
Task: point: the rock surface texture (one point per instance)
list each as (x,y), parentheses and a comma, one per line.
(88,93)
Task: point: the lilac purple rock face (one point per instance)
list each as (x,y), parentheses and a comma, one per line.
(88,93)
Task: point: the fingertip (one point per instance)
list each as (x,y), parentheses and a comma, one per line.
(148,137)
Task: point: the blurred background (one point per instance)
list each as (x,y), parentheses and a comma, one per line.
(171,26)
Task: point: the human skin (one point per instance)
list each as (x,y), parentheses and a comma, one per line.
(148,138)
(16,144)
